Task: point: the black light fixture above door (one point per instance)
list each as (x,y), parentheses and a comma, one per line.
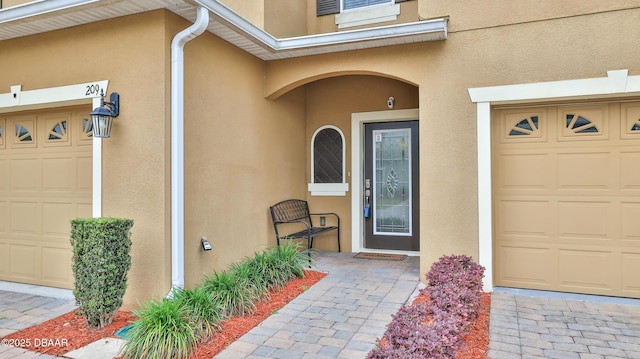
(102,116)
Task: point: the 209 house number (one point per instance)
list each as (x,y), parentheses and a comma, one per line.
(93,89)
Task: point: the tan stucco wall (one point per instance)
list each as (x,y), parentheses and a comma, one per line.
(243,153)
(10,3)
(568,48)
(252,10)
(134,158)
(331,101)
(285,18)
(468,15)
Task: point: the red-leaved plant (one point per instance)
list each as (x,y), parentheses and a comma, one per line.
(433,329)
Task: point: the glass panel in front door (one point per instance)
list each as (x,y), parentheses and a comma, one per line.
(392,182)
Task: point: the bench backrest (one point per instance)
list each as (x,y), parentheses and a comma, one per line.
(290,210)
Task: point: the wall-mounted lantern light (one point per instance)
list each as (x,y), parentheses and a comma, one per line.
(102,117)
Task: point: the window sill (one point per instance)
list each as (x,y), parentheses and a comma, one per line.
(328,189)
(367,16)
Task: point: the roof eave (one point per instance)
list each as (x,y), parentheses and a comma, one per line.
(37,8)
(267,47)
(48,15)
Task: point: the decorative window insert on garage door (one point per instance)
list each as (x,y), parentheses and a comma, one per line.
(45,180)
(566,184)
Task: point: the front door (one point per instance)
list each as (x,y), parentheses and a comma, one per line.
(391,186)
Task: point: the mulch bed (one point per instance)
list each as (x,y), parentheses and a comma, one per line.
(72,327)
(476,340)
(68,332)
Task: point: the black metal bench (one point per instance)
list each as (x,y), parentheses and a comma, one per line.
(294,211)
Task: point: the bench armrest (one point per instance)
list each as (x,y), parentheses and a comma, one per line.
(327,213)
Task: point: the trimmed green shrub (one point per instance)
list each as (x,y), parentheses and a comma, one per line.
(266,269)
(234,293)
(206,313)
(101,261)
(164,330)
(293,260)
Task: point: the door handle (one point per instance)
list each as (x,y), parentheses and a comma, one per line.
(367,205)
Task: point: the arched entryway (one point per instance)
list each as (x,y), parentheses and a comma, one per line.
(332,101)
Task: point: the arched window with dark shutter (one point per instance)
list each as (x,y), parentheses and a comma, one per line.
(328,162)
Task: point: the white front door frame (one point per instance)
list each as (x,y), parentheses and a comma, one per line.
(358,120)
(77,94)
(617,84)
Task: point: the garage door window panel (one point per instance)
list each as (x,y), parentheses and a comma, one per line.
(584,124)
(518,126)
(630,128)
(24,132)
(85,136)
(57,127)
(525,127)
(579,124)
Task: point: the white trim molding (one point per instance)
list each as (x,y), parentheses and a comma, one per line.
(85,93)
(617,84)
(357,169)
(328,189)
(369,15)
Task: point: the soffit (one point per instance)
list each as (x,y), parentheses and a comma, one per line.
(24,20)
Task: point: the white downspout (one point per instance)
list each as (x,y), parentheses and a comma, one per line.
(177,144)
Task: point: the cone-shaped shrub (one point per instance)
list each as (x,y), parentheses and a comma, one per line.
(101,261)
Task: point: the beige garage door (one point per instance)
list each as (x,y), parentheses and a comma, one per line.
(45,180)
(567,198)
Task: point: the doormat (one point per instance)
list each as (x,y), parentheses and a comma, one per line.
(381,256)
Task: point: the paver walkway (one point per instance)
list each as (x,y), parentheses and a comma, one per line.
(553,326)
(339,317)
(21,310)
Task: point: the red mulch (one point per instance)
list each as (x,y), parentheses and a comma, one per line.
(72,332)
(476,340)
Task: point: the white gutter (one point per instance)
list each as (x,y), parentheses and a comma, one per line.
(177,143)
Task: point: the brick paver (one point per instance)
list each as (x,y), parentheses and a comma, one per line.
(22,310)
(525,326)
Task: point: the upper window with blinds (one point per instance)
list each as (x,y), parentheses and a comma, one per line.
(326,7)
(355,4)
